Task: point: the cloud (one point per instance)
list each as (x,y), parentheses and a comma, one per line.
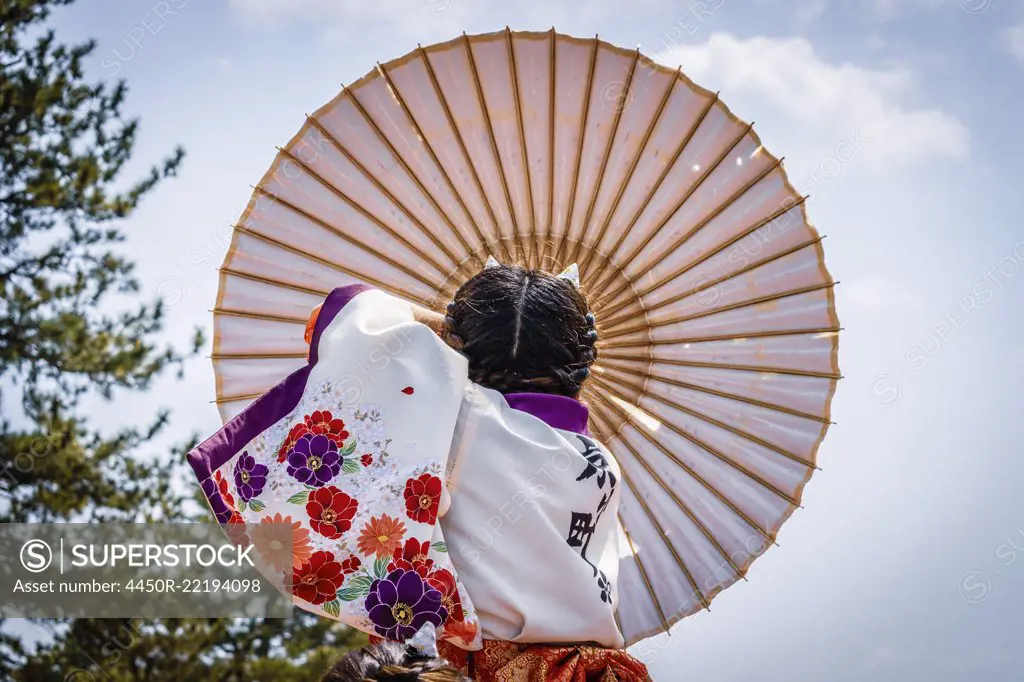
(878,292)
(1012,40)
(826,100)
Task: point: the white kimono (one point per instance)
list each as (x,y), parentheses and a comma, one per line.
(419,497)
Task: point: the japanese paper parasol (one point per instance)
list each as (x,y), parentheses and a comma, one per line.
(719,337)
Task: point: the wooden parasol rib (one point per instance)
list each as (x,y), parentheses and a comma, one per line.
(579,150)
(478,87)
(450,118)
(598,283)
(604,164)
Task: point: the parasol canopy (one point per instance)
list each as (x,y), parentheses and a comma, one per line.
(718,331)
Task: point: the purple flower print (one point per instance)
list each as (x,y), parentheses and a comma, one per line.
(400,604)
(250,477)
(314,460)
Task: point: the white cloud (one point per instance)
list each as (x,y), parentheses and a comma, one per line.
(881,292)
(826,100)
(1012,40)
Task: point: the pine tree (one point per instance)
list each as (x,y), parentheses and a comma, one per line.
(63,146)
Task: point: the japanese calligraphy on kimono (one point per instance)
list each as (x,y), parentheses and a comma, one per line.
(419,497)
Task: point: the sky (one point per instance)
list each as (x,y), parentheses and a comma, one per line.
(899,118)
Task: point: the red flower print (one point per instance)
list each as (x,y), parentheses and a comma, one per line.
(330,511)
(222,488)
(460,630)
(408,390)
(317,580)
(413,557)
(422,498)
(320,423)
(366,460)
(235,530)
(297,432)
(351,565)
(444,582)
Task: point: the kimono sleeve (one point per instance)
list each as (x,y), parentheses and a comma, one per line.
(351,451)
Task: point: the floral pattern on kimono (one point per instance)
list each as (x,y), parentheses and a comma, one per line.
(350,453)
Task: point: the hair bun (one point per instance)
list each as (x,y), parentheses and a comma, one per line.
(580,375)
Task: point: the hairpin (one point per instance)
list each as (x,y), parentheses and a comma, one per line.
(425,641)
(571,273)
(491,263)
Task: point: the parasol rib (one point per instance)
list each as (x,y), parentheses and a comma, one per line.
(754,476)
(627,419)
(721,394)
(615,322)
(258,356)
(768,298)
(478,86)
(236,398)
(606,377)
(369,279)
(585,114)
(721,337)
(604,166)
(400,159)
(465,151)
(643,573)
(737,368)
(541,238)
(345,237)
(631,224)
(646,241)
(260,316)
(708,535)
(629,175)
(362,210)
(736,196)
(386,192)
(529,257)
(437,162)
(263,279)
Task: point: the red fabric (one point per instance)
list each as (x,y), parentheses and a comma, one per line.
(511,662)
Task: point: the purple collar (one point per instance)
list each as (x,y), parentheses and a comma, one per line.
(557,411)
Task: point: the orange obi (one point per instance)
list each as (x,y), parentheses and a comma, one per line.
(511,662)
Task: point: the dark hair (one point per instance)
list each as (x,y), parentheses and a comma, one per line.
(392,662)
(523,330)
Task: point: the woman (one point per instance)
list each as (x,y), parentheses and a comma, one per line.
(438,469)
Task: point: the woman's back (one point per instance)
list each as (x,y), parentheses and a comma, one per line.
(531,528)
